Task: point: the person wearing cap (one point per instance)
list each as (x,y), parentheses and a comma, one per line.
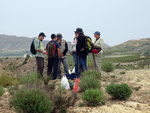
(63,50)
(97,51)
(40,53)
(53,62)
(80,50)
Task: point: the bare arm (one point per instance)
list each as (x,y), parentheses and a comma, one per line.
(40,51)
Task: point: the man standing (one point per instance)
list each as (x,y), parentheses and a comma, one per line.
(80,50)
(40,53)
(97,56)
(53,53)
(63,50)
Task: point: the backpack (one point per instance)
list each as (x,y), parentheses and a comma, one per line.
(51,47)
(88,44)
(32,48)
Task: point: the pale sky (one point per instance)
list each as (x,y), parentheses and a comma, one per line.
(117,20)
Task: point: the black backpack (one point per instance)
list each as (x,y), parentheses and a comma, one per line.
(51,47)
(32,48)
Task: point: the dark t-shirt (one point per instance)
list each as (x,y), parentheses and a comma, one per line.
(57,46)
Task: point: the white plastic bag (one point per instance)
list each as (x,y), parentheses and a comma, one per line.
(69,71)
(73,71)
(65,83)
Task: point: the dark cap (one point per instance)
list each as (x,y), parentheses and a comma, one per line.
(59,35)
(79,30)
(53,36)
(42,34)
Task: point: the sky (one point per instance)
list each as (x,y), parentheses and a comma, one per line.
(117,20)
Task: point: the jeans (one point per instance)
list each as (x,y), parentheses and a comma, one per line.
(76,62)
(65,64)
(40,65)
(83,63)
(53,64)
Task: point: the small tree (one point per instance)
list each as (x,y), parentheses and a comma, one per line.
(108,67)
(94,97)
(119,91)
(32,101)
(89,82)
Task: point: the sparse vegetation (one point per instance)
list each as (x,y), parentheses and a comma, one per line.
(2,91)
(92,73)
(94,97)
(119,91)
(89,82)
(147,53)
(123,72)
(7,79)
(81,104)
(62,101)
(30,78)
(32,101)
(108,67)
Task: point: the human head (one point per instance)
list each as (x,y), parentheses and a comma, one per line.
(79,31)
(97,34)
(76,35)
(41,36)
(53,37)
(59,37)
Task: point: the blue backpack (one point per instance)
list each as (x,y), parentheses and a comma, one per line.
(32,48)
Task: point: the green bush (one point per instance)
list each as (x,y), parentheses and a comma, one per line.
(2,91)
(89,82)
(123,72)
(30,78)
(94,97)
(119,91)
(32,101)
(108,67)
(7,80)
(92,73)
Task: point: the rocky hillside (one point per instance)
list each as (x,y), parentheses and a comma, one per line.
(135,45)
(13,44)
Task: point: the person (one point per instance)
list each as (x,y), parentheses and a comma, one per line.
(75,56)
(97,54)
(53,53)
(80,50)
(63,50)
(40,53)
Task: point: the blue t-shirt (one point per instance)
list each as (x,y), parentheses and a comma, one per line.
(57,46)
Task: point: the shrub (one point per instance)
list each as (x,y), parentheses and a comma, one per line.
(119,91)
(62,101)
(94,97)
(89,82)
(2,91)
(7,80)
(81,104)
(122,72)
(92,73)
(108,67)
(30,78)
(32,101)
(11,90)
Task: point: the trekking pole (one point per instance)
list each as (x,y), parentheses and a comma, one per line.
(87,62)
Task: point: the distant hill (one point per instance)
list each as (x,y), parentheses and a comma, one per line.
(13,45)
(135,45)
